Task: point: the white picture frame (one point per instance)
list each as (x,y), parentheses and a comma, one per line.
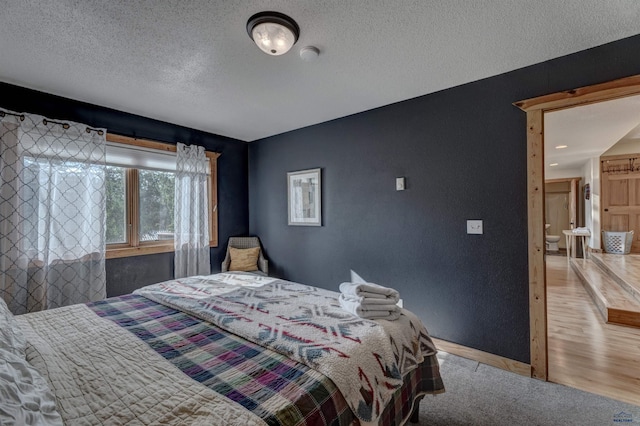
(304,199)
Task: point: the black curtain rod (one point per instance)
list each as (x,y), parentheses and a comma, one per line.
(4,113)
(45,122)
(66,126)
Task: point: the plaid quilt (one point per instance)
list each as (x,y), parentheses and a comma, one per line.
(365,359)
(274,387)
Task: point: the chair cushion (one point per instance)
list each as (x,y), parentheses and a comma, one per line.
(244,259)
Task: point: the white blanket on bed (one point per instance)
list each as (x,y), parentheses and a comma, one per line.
(365,359)
(100,373)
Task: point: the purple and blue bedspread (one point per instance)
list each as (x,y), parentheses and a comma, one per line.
(277,389)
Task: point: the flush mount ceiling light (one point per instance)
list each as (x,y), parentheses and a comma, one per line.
(561,146)
(274,33)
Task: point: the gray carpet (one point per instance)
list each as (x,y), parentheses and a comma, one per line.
(478,394)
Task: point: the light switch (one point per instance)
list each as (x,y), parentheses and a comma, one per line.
(400,184)
(474,227)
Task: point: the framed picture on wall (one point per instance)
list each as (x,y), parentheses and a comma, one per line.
(304,199)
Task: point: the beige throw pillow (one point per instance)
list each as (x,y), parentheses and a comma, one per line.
(244,259)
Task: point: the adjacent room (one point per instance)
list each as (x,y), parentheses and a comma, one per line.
(319,212)
(593,293)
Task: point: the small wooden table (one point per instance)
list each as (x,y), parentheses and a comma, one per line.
(570,237)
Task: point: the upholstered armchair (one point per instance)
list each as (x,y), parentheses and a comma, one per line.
(245,243)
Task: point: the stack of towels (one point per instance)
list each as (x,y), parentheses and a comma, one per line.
(371,301)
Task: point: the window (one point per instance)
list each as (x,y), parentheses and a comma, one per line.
(116,205)
(140,197)
(157,192)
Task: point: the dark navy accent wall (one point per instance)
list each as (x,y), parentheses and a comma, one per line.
(463,153)
(126,274)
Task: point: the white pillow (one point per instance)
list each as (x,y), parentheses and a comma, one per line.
(11,337)
(26,398)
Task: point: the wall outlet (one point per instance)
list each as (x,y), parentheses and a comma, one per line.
(474,227)
(400,184)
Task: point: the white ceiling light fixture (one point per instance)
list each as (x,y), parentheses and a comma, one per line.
(553,164)
(274,33)
(561,146)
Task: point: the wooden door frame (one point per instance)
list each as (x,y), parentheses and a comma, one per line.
(535,109)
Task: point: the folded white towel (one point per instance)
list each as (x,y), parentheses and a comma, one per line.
(369,290)
(369,302)
(387,312)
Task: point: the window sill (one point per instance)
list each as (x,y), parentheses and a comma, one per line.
(115,253)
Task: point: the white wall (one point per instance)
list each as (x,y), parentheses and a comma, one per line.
(625,146)
(550,173)
(591,175)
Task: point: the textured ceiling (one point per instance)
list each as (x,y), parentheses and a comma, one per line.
(192,62)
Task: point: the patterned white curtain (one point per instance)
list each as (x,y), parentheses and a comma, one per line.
(52,212)
(191,213)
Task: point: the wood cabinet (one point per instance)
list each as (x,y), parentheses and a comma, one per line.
(620,195)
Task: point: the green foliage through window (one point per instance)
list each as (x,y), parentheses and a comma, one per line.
(116,205)
(156,205)
(157,193)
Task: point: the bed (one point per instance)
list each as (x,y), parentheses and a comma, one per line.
(225,349)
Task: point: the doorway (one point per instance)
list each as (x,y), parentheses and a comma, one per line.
(535,109)
(562,208)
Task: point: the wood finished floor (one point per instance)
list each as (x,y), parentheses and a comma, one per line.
(626,267)
(584,352)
